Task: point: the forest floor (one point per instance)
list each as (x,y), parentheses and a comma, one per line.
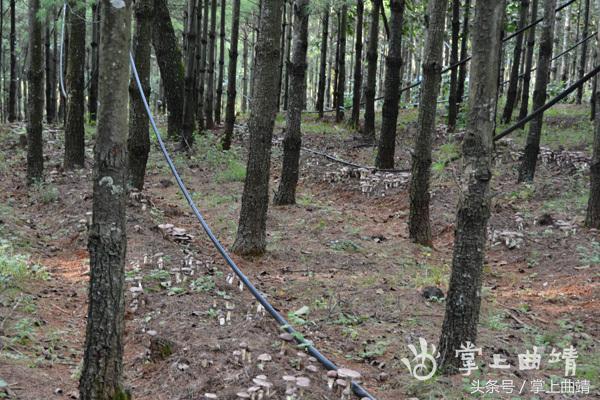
(339,266)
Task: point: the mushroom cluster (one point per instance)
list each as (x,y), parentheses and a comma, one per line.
(295,385)
(340,381)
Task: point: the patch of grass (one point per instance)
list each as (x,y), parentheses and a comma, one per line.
(495,322)
(345,245)
(234,171)
(46,193)
(431,275)
(203,284)
(16,268)
(23,331)
(158,275)
(374,349)
(589,255)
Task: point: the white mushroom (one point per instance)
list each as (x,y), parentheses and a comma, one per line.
(210,396)
(301,359)
(331,376)
(262,359)
(236,355)
(302,383)
(243,395)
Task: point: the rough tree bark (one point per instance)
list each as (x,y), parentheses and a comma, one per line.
(592,218)
(287,56)
(372,47)
(511,96)
(464,40)
(245,72)
(452,103)
(138,142)
(101,375)
(189,100)
(542,75)
(12,91)
(528,61)
(75,124)
(341,65)
(464,293)
(93,93)
(35,78)
(357,85)
(419,226)
(583,57)
(168,56)
(232,74)
(251,233)
(323,62)
(286,192)
(391,96)
(221,65)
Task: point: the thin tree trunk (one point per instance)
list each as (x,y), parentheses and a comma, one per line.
(101,375)
(341,65)
(511,96)
(93,93)
(528,61)
(387,139)
(288,49)
(419,226)
(138,142)
(232,74)
(170,64)
(452,103)
(252,227)
(50,72)
(221,65)
(200,112)
(462,72)
(245,73)
(583,57)
(592,218)
(542,75)
(35,156)
(283,52)
(12,93)
(210,75)
(331,68)
(370,87)
(286,192)
(75,125)
(357,85)
(566,58)
(189,101)
(464,293)
(323,62)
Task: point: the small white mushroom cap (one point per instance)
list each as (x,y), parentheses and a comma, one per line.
(243,345)
(286,337)
(253,389)
(210,396)
(289,378)
(341,382)
(332,373)
(312,368)
(302,382)
(264,357)
(243,395)
(348,373)
(259,382)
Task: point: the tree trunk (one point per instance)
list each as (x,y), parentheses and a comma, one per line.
(323,62)
(419,226)
(464,293)
(357,85)
(93,94)
(286,193)
(202,76)
(50,53)
(542,75)
(511,96)
(245,73)
(288,49)
(372,51)
(35,77)
(251,233)
(452,103)
(168,56)
(189,101)
(592,218)
(101,375)
(528,61)
(232,74)
(583,57)
(138,142)
(391,97)
(221,65)
(566,58)
(210,74)
(12,93)
(75,125)
(462,72)
(341,65)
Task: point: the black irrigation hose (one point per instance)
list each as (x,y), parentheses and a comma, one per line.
(549,104)
(358,389)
